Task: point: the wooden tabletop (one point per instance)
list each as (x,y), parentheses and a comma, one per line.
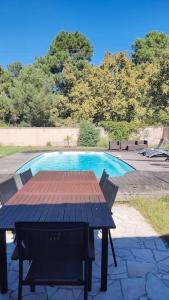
(64,176)
(58,196)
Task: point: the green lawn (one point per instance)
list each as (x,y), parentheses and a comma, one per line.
(8,150)
(156,212)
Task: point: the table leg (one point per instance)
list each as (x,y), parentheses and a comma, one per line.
(104,260)
(3,263)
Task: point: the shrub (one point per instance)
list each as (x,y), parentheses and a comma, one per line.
(103,142)
(23,124)
(164,117)
(48,144)
(88,134)
(118,130)
(3,124)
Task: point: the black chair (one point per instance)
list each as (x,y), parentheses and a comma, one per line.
(110,191)
(59,254)
(26,176)
(25,256)
(7,189)
(103,178)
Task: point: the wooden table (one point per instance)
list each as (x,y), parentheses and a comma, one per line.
(57,196)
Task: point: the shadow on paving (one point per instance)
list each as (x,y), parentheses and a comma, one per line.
(142,273)
(165,237)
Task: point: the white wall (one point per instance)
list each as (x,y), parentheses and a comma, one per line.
(38,136)
(154,134)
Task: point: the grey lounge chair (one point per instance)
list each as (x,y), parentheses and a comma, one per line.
(146,151)
(158,152)
(167,159)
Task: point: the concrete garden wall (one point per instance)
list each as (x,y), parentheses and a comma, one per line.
(38,136)
(154,134)
(42,136)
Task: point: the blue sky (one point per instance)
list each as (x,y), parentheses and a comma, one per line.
(27,27)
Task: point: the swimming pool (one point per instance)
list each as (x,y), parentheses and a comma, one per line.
(78,161)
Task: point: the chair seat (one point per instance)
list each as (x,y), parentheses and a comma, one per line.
(56,271)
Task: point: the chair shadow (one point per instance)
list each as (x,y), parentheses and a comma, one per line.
(141,263)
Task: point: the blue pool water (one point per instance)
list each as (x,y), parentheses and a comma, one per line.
(78,161)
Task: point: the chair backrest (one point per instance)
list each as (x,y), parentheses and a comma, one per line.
(26,176)
(7,189)
(142,142)
(110,191)
(103,179)
(111,143)
(49,240)
(131,143)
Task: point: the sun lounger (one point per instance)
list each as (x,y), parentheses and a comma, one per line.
(146,151)
(167,159)
(158,152)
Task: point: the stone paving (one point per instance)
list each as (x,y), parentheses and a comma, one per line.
(142,272)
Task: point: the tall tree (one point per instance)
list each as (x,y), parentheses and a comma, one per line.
(149,49)
(33,97)
(6,103)
(105,92)
(69,45)
(15,68)
(63,87)
(159,85)
(124,104)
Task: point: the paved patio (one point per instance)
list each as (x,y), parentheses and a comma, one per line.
(143,258)
(142,272)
